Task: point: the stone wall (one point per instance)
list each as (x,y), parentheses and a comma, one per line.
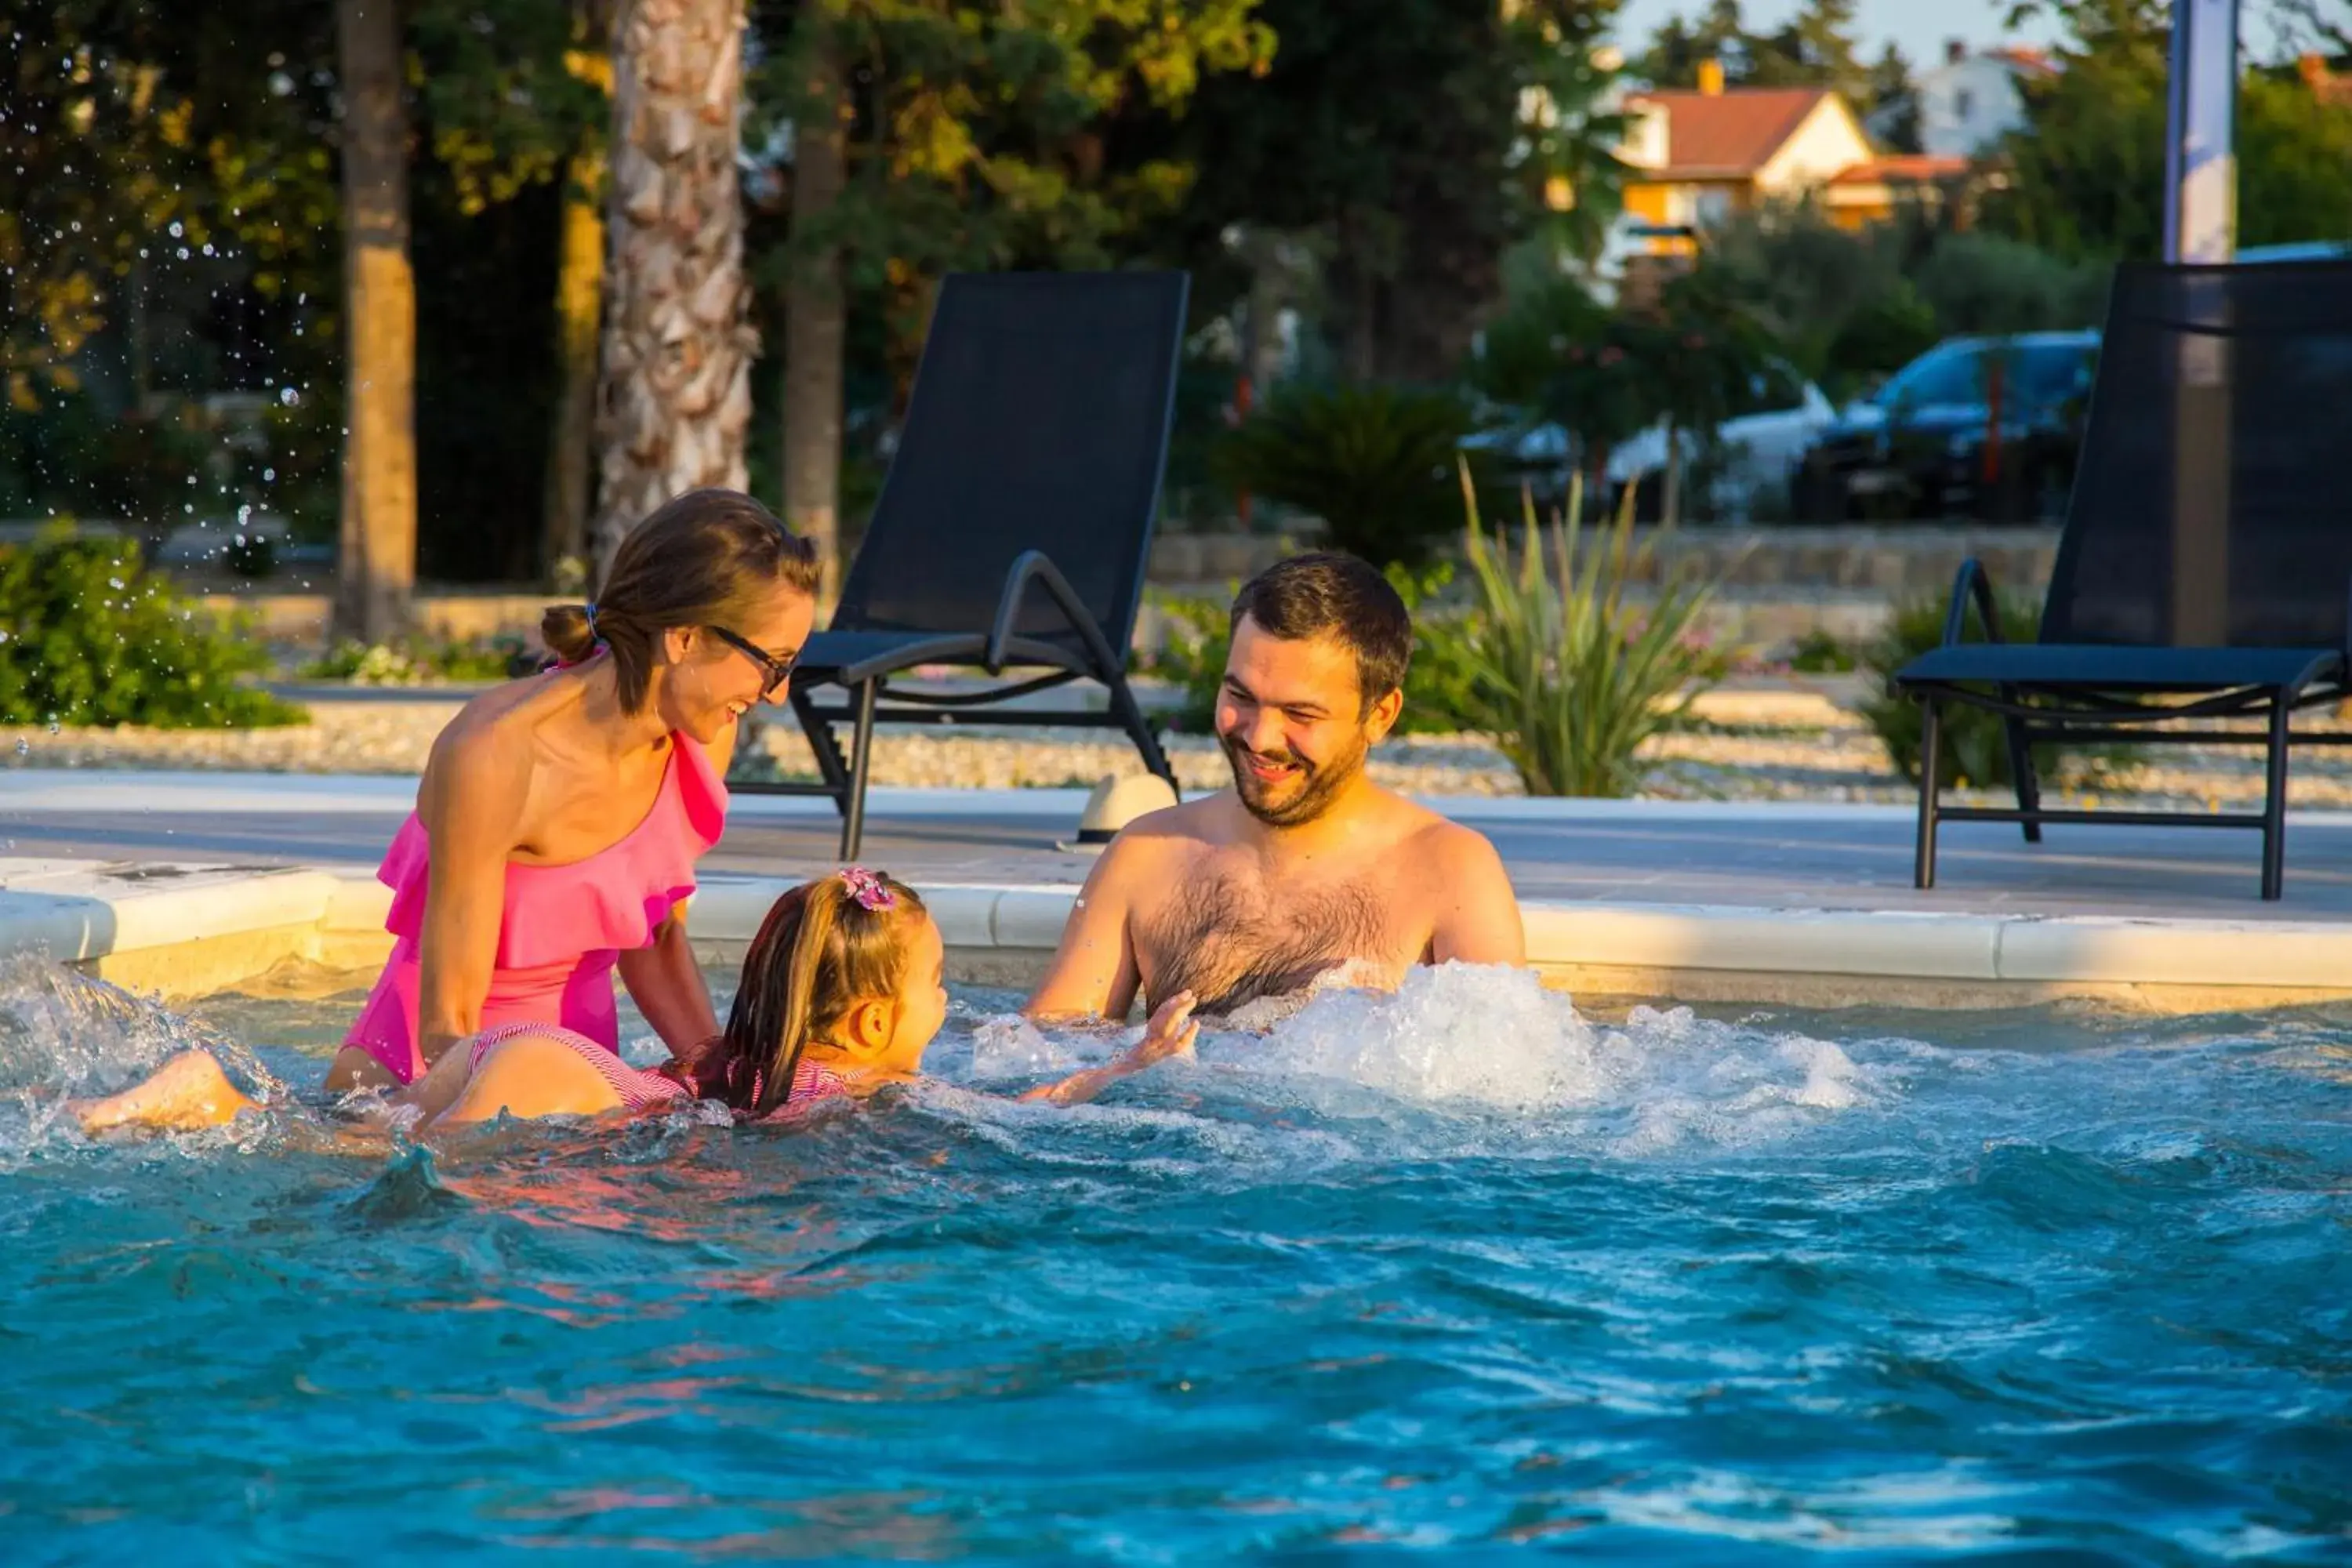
(1779,582)
(1900,561)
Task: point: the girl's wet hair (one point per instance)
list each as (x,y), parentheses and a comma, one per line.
(710,557)
(825,946)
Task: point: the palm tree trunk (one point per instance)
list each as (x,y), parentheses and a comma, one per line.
(579,287)
(376,555)
(816,315)
(675,387)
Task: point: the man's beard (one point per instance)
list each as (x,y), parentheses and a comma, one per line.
(1319,783)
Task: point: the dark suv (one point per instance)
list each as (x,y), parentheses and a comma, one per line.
(1982,427)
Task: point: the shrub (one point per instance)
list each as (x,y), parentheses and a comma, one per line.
(1972,749)
(88,636)
(1988,283)
(1375,463)
(1818,652)
(1568,678)
(1437,684)
(420,661)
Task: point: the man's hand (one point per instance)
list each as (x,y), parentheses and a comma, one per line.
(1170,1033)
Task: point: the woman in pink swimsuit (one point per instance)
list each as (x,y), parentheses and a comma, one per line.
(560,818)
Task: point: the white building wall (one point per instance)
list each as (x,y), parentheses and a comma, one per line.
(1966,106)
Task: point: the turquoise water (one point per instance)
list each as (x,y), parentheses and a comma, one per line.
(1458,1274)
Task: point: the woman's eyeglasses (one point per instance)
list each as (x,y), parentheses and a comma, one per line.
(776,670)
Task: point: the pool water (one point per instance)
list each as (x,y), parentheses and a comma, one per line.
(1457,1273)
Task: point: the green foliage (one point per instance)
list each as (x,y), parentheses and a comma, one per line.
(1407,145)
(145,139)
(1437,684)
(1569,679)
(1816,47)
(419,661)
(2086,176)
(1606,375)
(1375,463)
(1972,749)
(1818,652)
(1848,307)
(981,139)
(1558,354)
(88,636)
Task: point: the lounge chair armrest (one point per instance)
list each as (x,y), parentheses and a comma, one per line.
(1035,564)
(1971,584)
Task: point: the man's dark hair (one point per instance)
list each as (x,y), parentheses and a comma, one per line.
(1326,594)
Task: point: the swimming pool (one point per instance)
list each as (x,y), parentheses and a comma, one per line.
(1452,1274)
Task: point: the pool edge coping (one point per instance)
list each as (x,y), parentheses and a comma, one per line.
(188,927)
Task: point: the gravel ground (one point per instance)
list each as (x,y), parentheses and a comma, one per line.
(1792,747)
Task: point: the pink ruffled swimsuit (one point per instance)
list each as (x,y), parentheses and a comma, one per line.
(563,927)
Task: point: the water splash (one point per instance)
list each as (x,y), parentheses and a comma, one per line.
(64,1035)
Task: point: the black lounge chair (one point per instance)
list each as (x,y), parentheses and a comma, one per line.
(2206,565)
(1015,523)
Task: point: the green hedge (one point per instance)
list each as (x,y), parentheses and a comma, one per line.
(89,636)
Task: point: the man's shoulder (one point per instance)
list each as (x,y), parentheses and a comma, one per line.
(1155,840)
(1200,820)
(1444,845)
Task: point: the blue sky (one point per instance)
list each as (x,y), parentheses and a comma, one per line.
(1919,26)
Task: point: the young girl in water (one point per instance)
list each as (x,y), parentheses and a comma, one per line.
(841,992)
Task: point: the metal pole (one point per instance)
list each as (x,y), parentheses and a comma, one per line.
(2201,166)
(2200,228)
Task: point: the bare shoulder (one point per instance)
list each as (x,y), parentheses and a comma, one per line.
(1159,840)
(485,754)
(1436,845)
(1451,850)
(1475,910)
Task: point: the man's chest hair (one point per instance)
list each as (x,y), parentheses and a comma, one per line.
(1230,938)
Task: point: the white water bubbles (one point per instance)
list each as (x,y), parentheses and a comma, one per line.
(66,1035)
(1491,1041)
(1475,1037)
(1464,1060)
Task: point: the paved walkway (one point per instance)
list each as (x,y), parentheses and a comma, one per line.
(1667,852)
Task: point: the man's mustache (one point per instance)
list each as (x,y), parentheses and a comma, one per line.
(1281,759)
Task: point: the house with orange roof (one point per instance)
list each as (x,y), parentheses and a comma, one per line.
(1694,158)
(2326,84)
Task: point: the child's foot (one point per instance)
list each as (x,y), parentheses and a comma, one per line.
(190,1091)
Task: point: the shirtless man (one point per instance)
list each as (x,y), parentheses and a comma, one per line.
(1305,865)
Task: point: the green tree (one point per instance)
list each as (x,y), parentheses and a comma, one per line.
(516,97)
(1407,153)
(1816,47)
(141,138)
(978,136)
(2086,172)
(1678,47)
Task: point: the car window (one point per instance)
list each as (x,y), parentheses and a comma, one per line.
(1953,374)
(2052,372)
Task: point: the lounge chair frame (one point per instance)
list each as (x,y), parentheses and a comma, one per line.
(859,656)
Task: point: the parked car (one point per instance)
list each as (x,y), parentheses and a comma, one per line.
(1539,456)
(1750,460)
(1752,456)
(1974,427)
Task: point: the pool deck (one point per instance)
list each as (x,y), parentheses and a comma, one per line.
(188,881)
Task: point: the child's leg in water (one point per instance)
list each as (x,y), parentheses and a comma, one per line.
(188,1092)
